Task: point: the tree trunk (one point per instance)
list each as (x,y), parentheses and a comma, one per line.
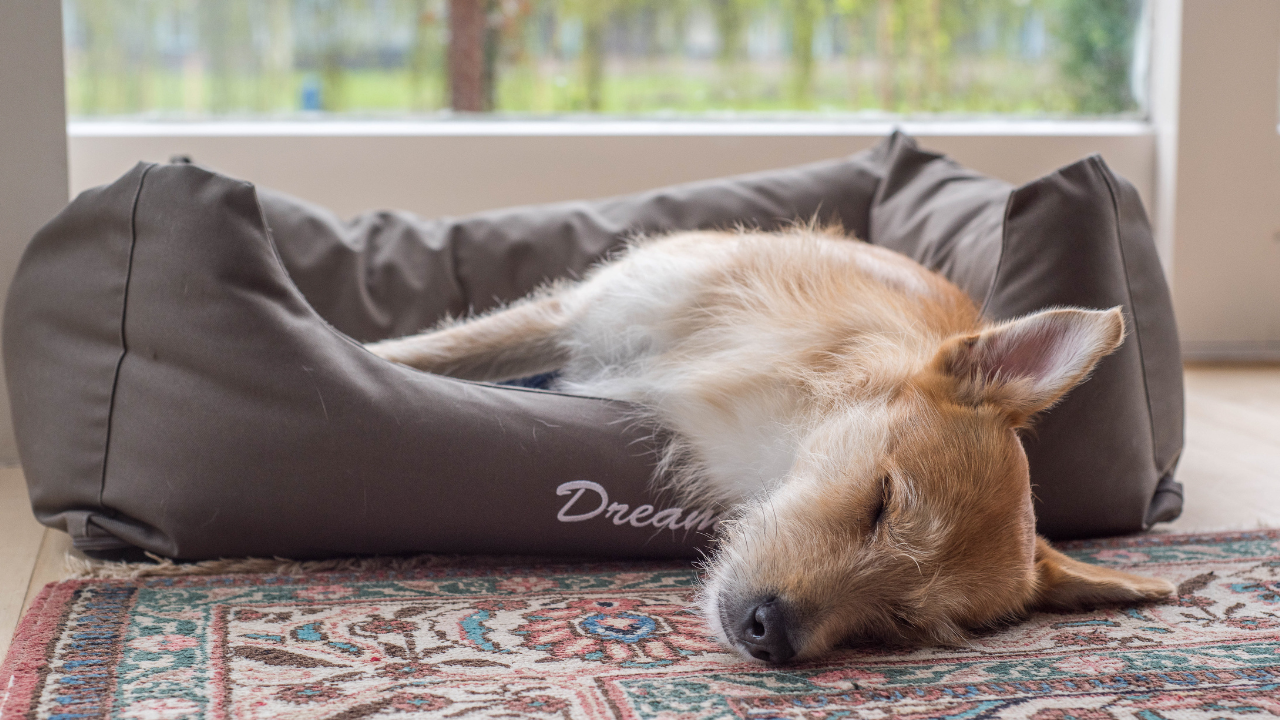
(466,55)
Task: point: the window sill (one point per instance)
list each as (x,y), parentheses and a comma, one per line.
(605,128)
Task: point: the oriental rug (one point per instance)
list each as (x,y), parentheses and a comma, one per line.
(619,641)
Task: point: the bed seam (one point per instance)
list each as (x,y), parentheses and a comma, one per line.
(124,341)
(1100,166)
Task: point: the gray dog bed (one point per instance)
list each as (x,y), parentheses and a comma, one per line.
(186,378)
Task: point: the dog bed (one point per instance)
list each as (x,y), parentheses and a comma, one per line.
(183,359)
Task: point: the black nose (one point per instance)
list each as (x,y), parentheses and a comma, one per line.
(762,629)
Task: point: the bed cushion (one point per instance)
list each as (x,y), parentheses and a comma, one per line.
(1102,461)
(182,357)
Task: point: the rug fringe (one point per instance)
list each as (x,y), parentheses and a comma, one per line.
(78,567)
(82,568)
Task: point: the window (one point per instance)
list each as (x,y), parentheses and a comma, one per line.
(201,59)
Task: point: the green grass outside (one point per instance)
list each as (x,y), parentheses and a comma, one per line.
(975,87)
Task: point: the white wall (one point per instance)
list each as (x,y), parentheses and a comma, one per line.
(1226,281)
(459,169)
(33,143)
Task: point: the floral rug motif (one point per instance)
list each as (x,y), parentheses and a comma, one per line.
(620,641)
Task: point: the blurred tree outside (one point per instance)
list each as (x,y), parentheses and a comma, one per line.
(427,46)
(1099,53)
(183,59)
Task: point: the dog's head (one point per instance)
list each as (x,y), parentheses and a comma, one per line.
(911,519)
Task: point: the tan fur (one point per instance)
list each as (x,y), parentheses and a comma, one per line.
(806,379)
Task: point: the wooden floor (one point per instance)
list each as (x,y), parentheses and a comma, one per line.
(30,554)
(1230,469)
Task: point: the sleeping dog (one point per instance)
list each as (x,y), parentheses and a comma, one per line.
(852,407)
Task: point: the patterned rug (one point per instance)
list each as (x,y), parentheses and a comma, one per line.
(618,641)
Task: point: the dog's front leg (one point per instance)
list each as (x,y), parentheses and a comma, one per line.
(517,341)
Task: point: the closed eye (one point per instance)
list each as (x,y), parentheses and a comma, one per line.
(881,503)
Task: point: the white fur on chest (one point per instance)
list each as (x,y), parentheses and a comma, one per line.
(748,446)
(626,345)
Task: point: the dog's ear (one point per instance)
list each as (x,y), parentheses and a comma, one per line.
(1066,584)
(1026,365)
